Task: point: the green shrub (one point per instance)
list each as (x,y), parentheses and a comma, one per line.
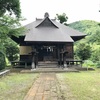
(98,64)
(2,61)
(83,51)
(89,63)
(12,50)
(95,57)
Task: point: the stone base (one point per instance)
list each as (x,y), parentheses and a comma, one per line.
(65,68)
(33,69)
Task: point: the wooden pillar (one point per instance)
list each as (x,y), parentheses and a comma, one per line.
(73,50)
(59,60)
(63,56)
(36,56)
(33,63)
(60,55)
(33,57)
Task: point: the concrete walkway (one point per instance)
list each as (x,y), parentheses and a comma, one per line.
(46,87)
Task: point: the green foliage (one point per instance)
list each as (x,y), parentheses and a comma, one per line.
(11,6)
(83,51)
(92,29)
(2,61)
(9,26)
(98,64)
(95,54)
(95,37)
(62,18)
(12,50)
(89,63)
(2,57)
(95,57)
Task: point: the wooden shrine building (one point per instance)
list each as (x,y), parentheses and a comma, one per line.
(47,40)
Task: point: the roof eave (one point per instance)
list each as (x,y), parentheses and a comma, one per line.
(76,38)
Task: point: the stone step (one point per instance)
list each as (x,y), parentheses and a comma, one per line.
(47,64)
(50,66)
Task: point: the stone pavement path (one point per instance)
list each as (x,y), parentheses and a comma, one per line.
(46,87)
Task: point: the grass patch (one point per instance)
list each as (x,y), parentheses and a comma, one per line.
(15,85)
(84,85)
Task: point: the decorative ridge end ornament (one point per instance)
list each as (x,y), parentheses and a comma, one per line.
(46,15)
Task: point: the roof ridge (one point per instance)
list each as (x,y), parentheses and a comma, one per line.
(44,21)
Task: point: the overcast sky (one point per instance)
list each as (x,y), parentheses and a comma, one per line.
(75,9)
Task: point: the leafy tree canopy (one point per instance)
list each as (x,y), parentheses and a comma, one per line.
(11,6)
(62,18)
(9,26)
(89,27)
(83,51)
(12,49)
(92,29)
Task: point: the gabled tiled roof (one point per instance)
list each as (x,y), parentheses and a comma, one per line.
(47,30)
(47,34)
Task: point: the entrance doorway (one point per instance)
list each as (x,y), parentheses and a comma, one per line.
(47,53)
